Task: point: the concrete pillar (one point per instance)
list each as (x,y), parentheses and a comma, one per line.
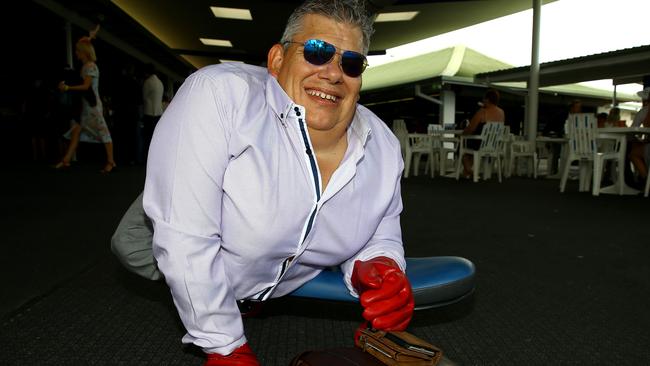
(533,83)
(448,108)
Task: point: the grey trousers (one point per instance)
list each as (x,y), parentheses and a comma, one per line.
(132,242)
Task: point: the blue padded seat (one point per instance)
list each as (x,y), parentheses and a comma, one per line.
(436,281)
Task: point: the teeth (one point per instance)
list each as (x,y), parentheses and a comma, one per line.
(320,94)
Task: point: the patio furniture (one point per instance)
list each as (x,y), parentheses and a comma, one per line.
(492,148)
(418,145)
(622,133)
(445,143)
(521,149)
(546,150)
(583,148)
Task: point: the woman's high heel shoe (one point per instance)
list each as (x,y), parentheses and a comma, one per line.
(109,167)
(61,165)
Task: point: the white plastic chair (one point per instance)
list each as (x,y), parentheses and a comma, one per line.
(583,148)
(418,144)
(543,153)
(492,142)
(443,146)
(522,149)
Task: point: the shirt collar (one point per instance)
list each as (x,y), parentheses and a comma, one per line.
(277,98)
(283,106)
(360,127)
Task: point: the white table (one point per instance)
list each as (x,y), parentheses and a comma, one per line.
(621,133)
(447,142)
(562,141)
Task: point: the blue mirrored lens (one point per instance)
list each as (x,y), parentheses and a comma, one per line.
(318,52)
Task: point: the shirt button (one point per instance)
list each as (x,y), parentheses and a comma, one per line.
(308,151)
(298,113)
(281,115)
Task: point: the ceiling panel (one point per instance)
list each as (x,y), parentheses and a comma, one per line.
(180,24)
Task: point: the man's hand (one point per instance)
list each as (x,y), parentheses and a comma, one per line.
(242,356)
(385,293)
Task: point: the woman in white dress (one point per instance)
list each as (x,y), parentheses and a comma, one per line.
(92,125)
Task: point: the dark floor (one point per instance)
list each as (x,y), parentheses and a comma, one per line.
(562,279)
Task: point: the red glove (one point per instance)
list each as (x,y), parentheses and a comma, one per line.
(385,293)
(242,356)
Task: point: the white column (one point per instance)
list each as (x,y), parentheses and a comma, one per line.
(448,110)
(533,83)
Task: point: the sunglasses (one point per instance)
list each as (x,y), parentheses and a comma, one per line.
(318,52)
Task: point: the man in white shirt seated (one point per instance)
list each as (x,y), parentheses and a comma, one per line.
(258,179)
(152,98)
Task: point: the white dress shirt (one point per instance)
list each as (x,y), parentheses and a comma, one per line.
(152,94)
(234,194)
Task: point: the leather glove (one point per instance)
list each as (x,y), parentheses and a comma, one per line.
(242,356)
(385,293)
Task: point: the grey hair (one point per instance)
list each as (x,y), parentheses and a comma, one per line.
(351,12)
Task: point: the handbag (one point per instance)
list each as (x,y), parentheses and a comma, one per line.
(398,348)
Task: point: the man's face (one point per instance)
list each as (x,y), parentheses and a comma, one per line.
(328,95)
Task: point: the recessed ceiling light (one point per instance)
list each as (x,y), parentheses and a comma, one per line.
(231,13)
(215,42)
(396,17)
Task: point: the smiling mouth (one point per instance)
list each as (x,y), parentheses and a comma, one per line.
(322,95)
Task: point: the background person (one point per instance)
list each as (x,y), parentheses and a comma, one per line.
(152,97)
(489,112)
(258,179)
(92,126)
(601,120)
(614,118)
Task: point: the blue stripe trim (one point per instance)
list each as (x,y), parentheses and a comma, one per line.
(312,160)
(263,294)
(314,172)
(310,223)
(285,266)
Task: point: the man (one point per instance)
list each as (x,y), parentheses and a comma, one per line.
(259,179)
(152,96)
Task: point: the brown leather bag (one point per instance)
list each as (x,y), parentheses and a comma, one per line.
(398,348)
(377,348)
